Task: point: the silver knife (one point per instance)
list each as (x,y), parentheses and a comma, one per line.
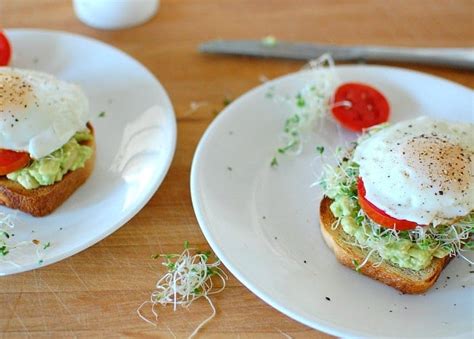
(462,58)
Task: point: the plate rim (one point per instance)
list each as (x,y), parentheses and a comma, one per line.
(159,179)
(321,325)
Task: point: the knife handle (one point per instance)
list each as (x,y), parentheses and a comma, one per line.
(453,57)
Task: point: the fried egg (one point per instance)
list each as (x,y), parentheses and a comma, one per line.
(38,113)
(420,170)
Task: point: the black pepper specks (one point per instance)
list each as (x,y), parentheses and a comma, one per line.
(15,91)
(447,165)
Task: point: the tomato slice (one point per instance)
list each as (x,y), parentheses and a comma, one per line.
(379,216)
(358,106)
(11,161)
(5,50)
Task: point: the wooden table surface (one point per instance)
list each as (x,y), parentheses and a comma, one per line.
(96,292)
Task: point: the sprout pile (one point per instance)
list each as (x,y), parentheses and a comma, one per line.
(189,277)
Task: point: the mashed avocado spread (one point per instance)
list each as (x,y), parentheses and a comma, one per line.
(402,252)
(51,168)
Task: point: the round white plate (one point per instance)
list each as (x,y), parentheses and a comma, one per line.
(135,144)
(262,222)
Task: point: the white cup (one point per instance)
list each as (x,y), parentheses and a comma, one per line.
(115,14)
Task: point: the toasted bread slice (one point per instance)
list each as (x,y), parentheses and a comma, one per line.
(405,280)
(43,200)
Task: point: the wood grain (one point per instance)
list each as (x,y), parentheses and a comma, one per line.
(96,293)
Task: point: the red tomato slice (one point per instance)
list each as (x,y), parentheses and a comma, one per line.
(365,107)
(379,216)
(5,50)
(11,161)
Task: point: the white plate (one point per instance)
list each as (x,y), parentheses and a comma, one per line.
(263,222)
(135,143)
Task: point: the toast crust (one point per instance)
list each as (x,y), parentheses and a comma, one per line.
(43,200)
(404,280)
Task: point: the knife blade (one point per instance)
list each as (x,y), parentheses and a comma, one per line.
(461,58)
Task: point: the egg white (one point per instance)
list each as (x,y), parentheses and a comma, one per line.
(38,112)
(420,170)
